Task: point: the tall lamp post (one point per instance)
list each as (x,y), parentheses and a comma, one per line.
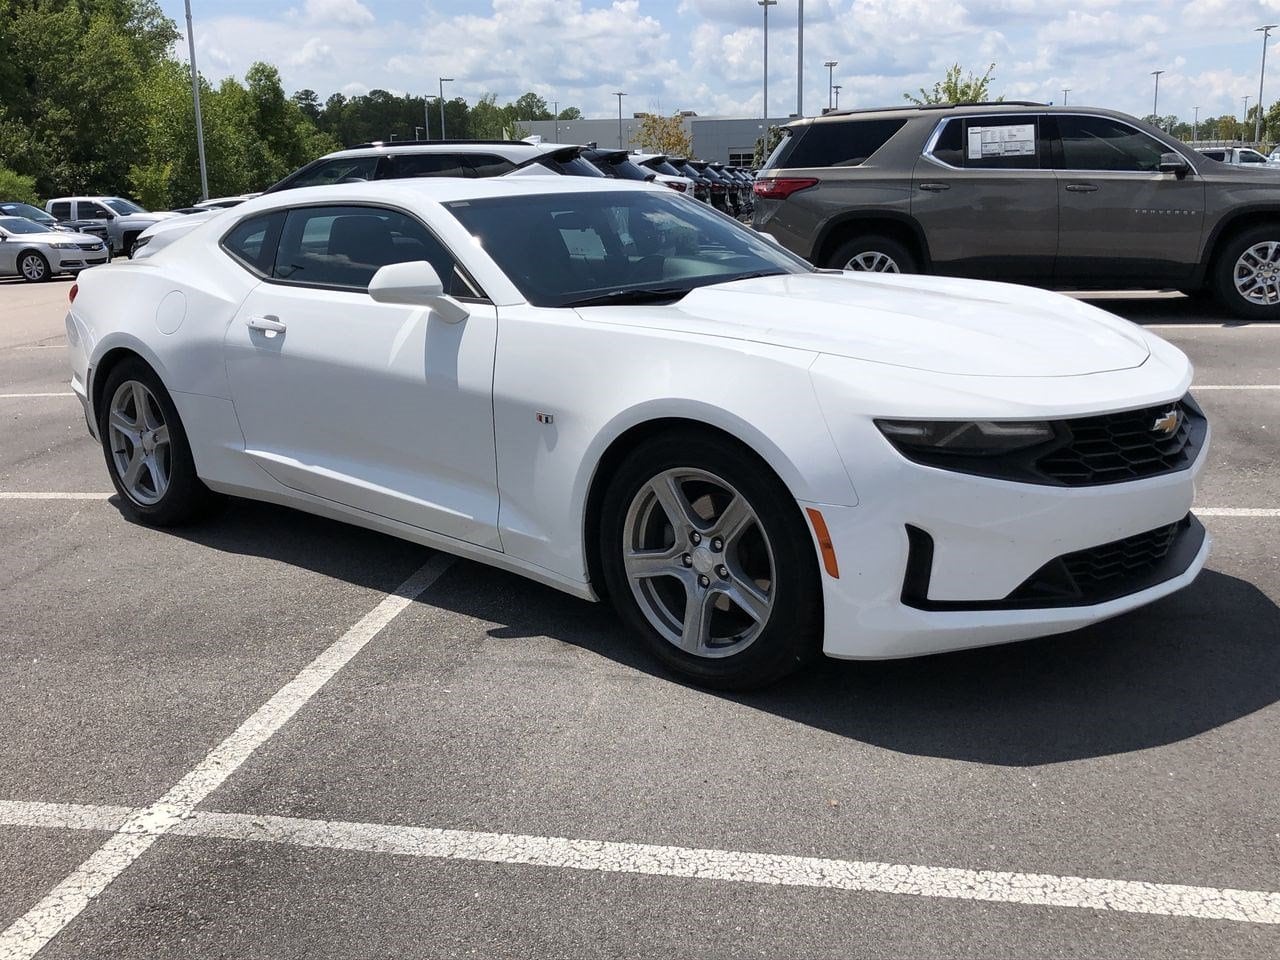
(1065,91)
(1195,125)
(766,4)
(443,81)
(800,61)
(619,95)
(1265,30)
(1155,99)
(1245,117)
(836,88)
(195,95)
(555,115)
(831,78)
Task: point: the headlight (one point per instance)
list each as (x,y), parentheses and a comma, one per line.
(141,242)
(63,246)
(968,438)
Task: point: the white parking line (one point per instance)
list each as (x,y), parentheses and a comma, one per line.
(51,495)
(33,396)
(1195,325)
(30,932)
(1234,512)
(1198,388)
(727,866)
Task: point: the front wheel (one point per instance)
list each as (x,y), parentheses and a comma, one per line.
(1247,274)
(33,267)
(147,452)
(707,557)
(873,254)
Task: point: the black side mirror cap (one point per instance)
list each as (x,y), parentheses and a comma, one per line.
(1174,163)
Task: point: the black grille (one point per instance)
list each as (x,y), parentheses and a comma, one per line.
(1093,569)
(1116,447)
(96,245)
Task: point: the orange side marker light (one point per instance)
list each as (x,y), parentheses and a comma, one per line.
(824,543)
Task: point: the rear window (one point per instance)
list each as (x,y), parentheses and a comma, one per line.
(845,144)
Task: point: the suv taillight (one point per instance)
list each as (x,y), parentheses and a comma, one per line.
(675,185)
(71,294)
(782,187)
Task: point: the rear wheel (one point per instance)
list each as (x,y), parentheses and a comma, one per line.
(33,267)
(1247,274)
(707,557)
(874,253)
(146,449)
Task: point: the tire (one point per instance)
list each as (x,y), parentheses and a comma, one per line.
(766,557)
(1252,254)
(128,242)
(33,267)
(165,490)
(897,256)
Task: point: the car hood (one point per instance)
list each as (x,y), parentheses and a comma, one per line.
(963,327)
(57,236)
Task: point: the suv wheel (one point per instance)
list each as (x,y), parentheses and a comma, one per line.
(1247,274)
(873,253)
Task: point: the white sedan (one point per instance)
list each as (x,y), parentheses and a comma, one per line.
(613,391)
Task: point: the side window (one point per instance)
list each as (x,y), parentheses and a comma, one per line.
(89,210)
(990,143)
(488,165)
(345,246)
(253,241)
(1099,143)
(408,165)
(847,143)
(341,170)
(61,210)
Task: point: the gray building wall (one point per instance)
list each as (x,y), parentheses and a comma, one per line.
(713,138)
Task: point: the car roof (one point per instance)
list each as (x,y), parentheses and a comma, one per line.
(938,110)
(379,148)
(441,190)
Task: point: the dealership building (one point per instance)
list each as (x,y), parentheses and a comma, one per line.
(726,139)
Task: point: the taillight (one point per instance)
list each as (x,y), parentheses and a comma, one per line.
(782,187)
(71,294)
(675,185)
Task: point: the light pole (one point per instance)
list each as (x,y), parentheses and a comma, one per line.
(1065,91)
(443,81)
(555,115)
(1262,75)
(800,61)
(195,96)
(1155,100)
(766,4)
(831,78)
(619,95)
(1195,125)
(836,88)
(1244,119)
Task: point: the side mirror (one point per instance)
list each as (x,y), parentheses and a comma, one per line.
(416,284)
(1174,163)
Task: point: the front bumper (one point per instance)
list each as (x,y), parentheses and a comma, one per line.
(988,540)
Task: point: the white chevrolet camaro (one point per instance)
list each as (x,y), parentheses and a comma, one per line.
(614,391)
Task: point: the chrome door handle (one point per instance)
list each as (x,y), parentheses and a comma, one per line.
(935,187)
(268,325)
(1082,187)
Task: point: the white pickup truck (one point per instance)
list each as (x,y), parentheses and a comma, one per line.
(115,219)
(1236,155)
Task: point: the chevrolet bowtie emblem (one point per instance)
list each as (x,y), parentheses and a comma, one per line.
(1168,423)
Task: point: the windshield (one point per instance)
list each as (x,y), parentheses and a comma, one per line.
(563,248)
(123,206)
(26,210)
(21,225)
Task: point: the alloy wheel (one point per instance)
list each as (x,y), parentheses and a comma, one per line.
(873,261)
(699,563)
(1257,273)
(139,439)
(33,268)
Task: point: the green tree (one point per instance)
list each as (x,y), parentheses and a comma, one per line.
(14,186)
(659,134)
(530,106)
(956,87)
(766,145)
(570,113)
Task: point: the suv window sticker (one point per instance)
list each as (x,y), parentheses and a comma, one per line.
(1017,140)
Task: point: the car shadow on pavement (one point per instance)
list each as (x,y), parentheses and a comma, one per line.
(1166,309)
(1190,663)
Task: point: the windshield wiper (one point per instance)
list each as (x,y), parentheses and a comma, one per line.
(639,295)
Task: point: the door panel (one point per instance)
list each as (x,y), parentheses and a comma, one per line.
(382,407)
(987,213)
(1121,220)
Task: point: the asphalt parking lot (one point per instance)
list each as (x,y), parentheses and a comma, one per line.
(274,736)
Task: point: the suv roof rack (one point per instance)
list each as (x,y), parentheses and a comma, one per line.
(927,106)
(423,143)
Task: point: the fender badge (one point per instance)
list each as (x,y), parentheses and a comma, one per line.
(1168,423)
(544,417)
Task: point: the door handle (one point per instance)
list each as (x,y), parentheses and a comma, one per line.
(1082,187)
(935,187)
(269,325)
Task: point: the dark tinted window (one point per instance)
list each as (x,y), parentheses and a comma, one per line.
(990,143)
(844,144)
(342,170)
(488,165)
(1098,143)
(25,210)
(253,241)
(570,165)
(61,210)
(88,210)
(407,166)
(345,246)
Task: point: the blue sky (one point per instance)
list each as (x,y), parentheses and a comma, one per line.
(705,55)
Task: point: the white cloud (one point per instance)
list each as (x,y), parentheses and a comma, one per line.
(350,12)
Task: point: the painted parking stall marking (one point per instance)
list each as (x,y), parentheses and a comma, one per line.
(141,828)
(602,856)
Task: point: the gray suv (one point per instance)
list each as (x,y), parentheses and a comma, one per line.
(1072,197)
